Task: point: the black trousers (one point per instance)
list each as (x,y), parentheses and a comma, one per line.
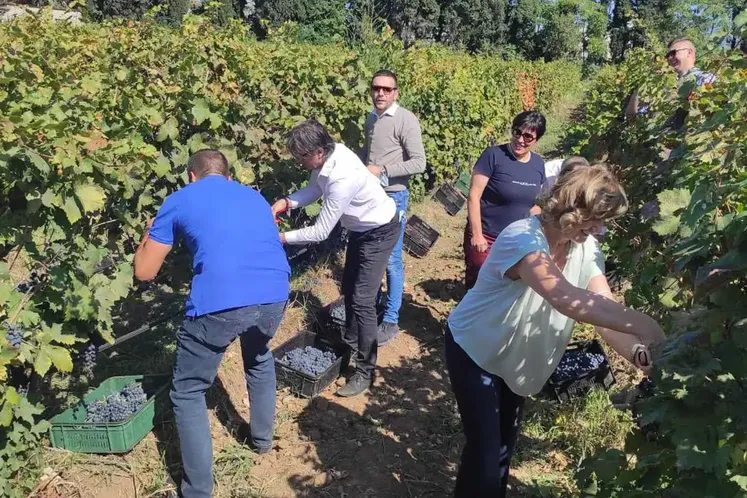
(365,262)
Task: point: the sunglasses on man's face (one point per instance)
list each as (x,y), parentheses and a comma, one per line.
(674,51)
(528,137)
(383,89)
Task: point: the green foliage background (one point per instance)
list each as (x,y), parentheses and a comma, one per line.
(684,246)
(97,122)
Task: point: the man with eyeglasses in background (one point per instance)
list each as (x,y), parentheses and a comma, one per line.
(393,151)
(681,56)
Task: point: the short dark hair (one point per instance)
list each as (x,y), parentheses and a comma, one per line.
(385,72)
(208,162)
(308,136)
(530,119)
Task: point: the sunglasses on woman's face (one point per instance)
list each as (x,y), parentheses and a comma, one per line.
(528,137)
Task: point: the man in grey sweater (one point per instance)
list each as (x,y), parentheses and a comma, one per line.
(393,151)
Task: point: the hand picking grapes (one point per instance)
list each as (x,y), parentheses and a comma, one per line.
(505,339)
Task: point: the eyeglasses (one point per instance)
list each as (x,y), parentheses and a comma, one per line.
(528,137)
(674,51)
(386,90)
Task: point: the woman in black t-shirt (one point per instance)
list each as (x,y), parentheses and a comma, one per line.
(505,183)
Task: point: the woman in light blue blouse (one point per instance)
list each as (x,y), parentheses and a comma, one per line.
(505,338)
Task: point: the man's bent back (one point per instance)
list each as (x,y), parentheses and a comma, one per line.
(239,289)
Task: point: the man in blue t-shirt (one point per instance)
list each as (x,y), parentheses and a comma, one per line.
(239,289)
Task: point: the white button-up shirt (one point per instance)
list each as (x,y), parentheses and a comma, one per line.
(352,195)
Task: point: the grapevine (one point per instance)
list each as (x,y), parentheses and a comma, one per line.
(685,254)
(80,174)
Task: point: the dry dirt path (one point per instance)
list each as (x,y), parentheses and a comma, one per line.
(400,439)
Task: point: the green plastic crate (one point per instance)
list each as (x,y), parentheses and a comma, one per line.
(463,182)
(70,431)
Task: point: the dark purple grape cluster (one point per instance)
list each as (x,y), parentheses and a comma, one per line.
(338,313)
(89,359)
(14,334)
(29,283)
(309,360)
(575,364)
(118,406)
(649,210)
(23,391)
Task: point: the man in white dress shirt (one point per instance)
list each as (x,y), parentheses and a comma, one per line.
(354,197)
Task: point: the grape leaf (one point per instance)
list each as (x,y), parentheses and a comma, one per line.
(38,161)
(740,481)
(671,201)
(200,110)
(313,209)
(667,225)
(6,415)
(169,129)
(91,197)
(71,210)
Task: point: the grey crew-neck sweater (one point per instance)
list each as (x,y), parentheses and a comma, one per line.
(393,140)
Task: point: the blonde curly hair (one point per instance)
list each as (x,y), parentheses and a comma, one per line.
(581,195)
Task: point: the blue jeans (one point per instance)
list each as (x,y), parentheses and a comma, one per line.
(395,268)
(201,342)
(490,414)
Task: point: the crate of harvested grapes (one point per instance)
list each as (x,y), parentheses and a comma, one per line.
(308,363)
(584,366)
(330,322)
(114,417)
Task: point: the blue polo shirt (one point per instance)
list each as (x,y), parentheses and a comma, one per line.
(512,187)
(238,259)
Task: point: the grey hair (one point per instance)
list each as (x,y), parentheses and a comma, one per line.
(309,136)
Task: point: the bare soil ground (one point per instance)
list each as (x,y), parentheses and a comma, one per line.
(401,439)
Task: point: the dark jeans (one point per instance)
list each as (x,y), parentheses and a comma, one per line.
(365,261)
(201,343)
(490,414)
(474,260)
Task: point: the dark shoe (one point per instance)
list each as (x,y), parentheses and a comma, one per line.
(356,385)
(387,332)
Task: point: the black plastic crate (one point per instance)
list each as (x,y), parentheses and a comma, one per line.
(451,198)
(580,385)
(419,237)
(303,384)
(331,325)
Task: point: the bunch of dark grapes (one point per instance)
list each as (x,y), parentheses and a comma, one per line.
(574,364)
(649,210)
(89,359)
(118,406)
(338,313)
(29,283)
(14,334)
(309,360)
(646,387)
